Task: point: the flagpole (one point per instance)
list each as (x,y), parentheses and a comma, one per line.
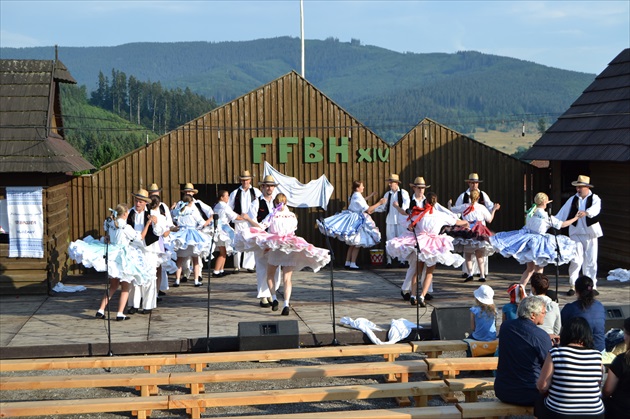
(302,33)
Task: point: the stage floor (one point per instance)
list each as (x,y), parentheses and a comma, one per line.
(64,324)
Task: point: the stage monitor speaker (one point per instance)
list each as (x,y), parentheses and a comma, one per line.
(449,323)
(615,315)
(282,334)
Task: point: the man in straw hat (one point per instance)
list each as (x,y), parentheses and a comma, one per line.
(585,231)
(473,182)
(262,207)
(139,216)
(241,201)
(395,221)
(162,275)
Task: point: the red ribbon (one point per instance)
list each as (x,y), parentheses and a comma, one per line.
(468,210)
(419,212)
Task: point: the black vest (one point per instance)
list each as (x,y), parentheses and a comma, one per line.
(389,199)
(575,207)
(150,238)
(201,211)
(263,210)
(237,200)
(415,203)
(481,200)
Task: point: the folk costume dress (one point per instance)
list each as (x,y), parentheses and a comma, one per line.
(225,233)
(532,243)
(189,240)
(124,261)
(283,247)
(353,226)
(475,238)
(434,247)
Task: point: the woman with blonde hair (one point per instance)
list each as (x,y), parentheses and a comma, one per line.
(532,245)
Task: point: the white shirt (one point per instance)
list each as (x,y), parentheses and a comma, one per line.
(283,223)
(433,223)
(225,213)
(121,235)
(540,222)
(358,203)
(393,216)
(488,203)
(246,201)
(594,230)
(479,213)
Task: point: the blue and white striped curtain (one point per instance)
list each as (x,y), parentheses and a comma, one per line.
(26,222)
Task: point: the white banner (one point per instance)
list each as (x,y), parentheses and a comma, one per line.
(26,222)
(316,193)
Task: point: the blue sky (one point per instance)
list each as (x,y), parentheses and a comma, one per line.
(575,35)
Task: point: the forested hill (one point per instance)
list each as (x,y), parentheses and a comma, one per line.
(388,91)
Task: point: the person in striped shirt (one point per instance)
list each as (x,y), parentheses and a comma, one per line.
(571,376)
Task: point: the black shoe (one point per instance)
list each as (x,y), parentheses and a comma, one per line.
(274,305)
(198,284)
(159,300)
(482,279)
(132,310)
(470,278)
(413,301)
(347,267)
(595,293)
(571,292)
(285,311)
(161,293)
(251,271)
(405,295)
(421,302)
(428,297)
(99,315)
(464,275)
(184,279)
(176,285)
(264,304)
(146,311)
(200,279)
(389,266)
(121,318)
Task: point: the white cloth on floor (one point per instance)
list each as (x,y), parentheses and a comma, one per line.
(619,274)
(59,287)
(398,330)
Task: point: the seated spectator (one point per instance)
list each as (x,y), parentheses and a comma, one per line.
(524,347)
(616,392)
(571,376)
(589,308)
(517,293)
(552,323)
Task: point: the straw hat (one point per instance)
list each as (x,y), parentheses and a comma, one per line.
(393,178)
(142,195)
(473,177)
(582,181)
(269,180)
(189,187)
(154,188)
(419,182)
(484,294)
(245,175)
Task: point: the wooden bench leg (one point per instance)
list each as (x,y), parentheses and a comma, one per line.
(153,369)
(446,375)
(421,401)
(390,378)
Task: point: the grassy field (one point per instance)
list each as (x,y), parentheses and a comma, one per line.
(507,142)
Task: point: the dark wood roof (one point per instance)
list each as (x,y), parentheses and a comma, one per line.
(31,125)
(597,125)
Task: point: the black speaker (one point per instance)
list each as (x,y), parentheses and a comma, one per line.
(450,323)
(282,334)
(615,315)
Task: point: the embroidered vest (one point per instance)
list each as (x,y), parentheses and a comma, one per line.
(237,200)
(389,200)
(150,238)
(575,207)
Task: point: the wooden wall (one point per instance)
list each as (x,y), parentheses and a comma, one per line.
(214,148)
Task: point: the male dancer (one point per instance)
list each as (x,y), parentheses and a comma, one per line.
(395,222)
(585,231)
(162,275)
(241,200)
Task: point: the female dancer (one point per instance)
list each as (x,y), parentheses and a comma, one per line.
(187,240)
(474,241)
(434,247)
(354,226)
(124,264)
(225,234)
(532,245)
(284,248)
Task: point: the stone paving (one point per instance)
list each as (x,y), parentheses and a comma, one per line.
(64,324)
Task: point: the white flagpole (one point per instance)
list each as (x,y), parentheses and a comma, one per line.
(302,32)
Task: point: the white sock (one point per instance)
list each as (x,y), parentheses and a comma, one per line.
(286,303)
(353,265)
(120,314)
(348,263)
(274,298)
(101,311)
(215,272)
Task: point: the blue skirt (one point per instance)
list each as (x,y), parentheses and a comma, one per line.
(525,246)
(352,228)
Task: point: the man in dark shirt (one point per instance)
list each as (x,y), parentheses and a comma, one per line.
(522,351)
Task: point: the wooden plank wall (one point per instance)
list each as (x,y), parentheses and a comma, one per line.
(214,148)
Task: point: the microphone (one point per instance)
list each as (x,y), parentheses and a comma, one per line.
(215,220)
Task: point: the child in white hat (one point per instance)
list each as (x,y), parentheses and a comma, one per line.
(483,315)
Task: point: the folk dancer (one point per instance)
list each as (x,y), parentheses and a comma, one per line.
(395,221)
(241,201)
(586,230)
(224,238)
(168,267)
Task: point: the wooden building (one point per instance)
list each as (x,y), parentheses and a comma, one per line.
(302,133)
(33,152)
(593,138)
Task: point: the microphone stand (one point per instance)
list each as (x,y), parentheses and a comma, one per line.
(418,276)
(109,317)
(558,254)
(215,221)
(334,342)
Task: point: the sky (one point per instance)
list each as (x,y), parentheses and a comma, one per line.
(573,35)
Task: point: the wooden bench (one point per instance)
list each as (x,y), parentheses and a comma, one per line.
(492,409)
(140,406)
(434,348)
(471,387)
(450,367)
(420,391)
(443,412)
